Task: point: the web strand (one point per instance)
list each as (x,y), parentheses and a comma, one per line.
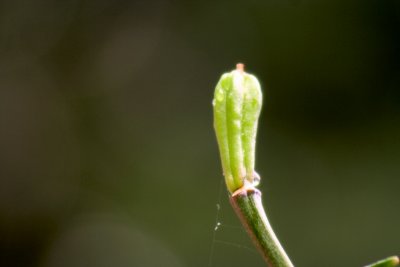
(218,226)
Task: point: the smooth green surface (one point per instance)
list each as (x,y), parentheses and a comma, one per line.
(249,208)
(237,104)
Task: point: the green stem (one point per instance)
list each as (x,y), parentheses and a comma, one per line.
(248,206)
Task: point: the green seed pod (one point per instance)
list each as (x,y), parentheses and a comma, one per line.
(237,104)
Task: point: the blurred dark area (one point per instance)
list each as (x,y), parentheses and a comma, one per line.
(107,150)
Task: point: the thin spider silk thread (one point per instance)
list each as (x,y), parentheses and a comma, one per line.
(219,225)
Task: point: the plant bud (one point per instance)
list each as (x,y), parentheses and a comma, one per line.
(237,104)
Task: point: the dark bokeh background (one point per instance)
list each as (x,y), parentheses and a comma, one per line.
(107,152)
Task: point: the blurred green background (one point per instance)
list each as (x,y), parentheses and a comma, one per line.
(107,151)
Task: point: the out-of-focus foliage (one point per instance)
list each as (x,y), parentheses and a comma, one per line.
(107,152)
